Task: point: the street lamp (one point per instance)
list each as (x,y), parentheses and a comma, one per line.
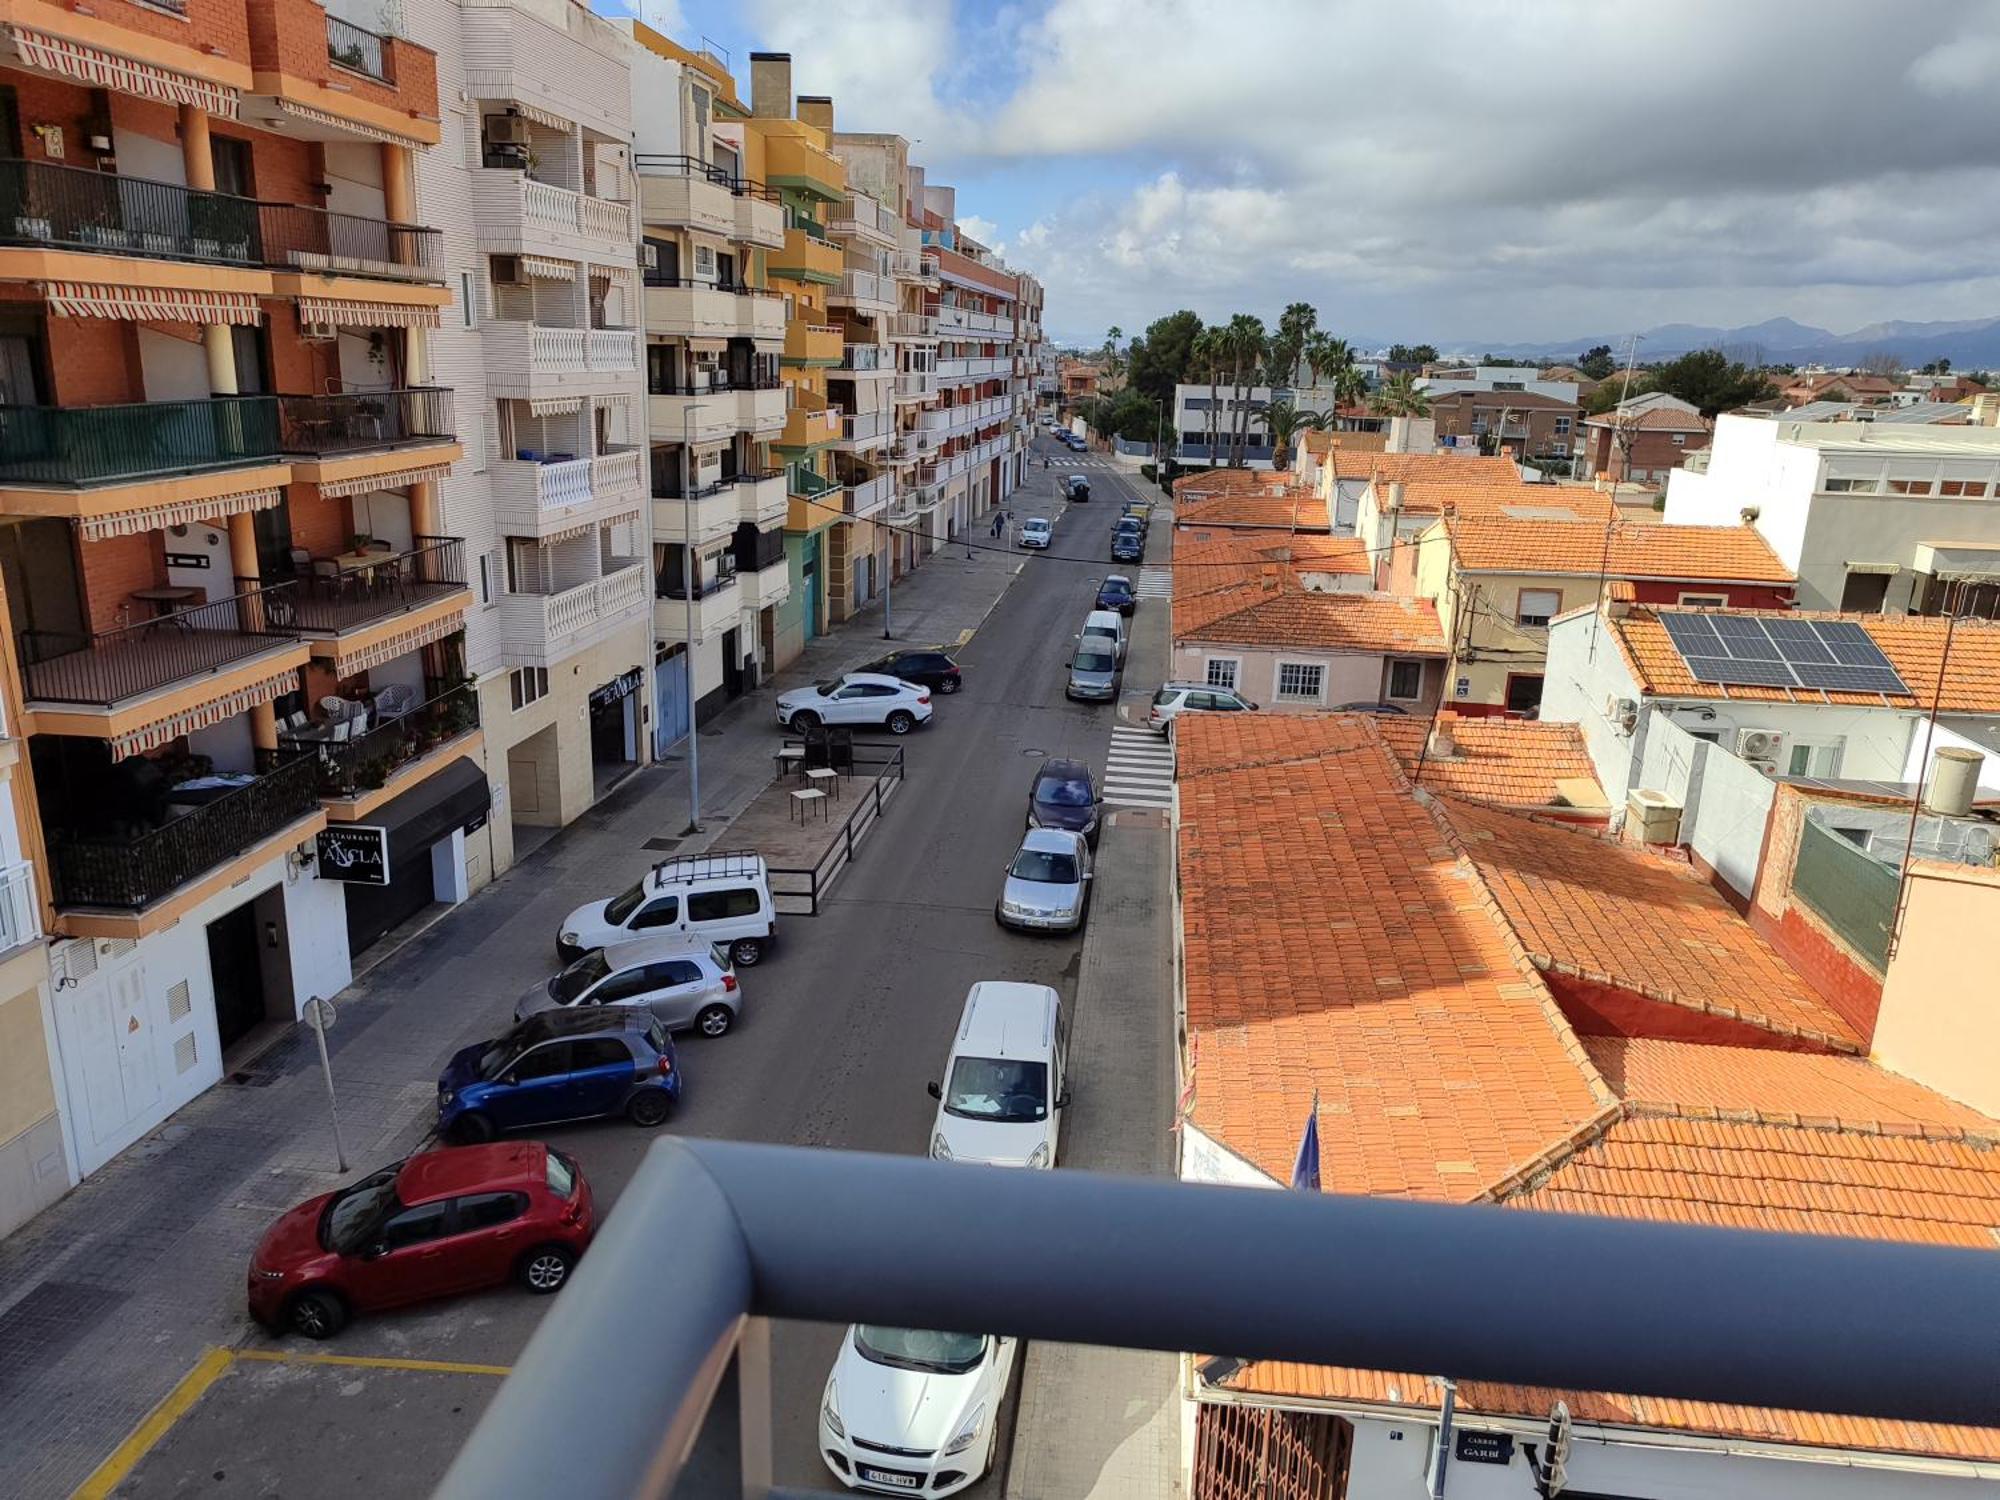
(687,591)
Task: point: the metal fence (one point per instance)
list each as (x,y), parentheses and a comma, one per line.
(358,50)
(1853,894)
(109,666)
(365,763)
(354,421)
(798,892)
(296,235)
(329,597)
(92,444)
(1573,1302)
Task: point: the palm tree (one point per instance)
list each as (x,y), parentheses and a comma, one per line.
(1205,353)
(1399,397)
(1286,422)
(1112,362)
(1350,386)
(1246,343)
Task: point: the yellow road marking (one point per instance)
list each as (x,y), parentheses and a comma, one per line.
(210,1368)
(372,1362)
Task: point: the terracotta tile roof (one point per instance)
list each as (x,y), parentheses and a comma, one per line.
(1497,542)
(1561,502)
(1334,942)
(1232,481)
(1914,645)
(1654,419)
(1349,464)
(1295,511)
(1205,560)
(1505,762)
(1607,912)
(1275,610)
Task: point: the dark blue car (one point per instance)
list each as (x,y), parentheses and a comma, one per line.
(1063,795)
(561,1065)
(1116,593)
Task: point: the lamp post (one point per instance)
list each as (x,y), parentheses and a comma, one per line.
(687,592)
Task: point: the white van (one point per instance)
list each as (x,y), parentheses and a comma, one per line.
(1006,1082)
(705,898)
(1105,622)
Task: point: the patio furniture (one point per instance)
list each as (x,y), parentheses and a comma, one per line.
(824,777)
(394,701)
(802,801)
(790,758)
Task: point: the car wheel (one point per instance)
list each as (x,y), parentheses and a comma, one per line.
(649,1108)
(715,1020)
(948,685)
(749,952)
(316,1314)
(471,1129)
(805,721)
(545,1269)
(899,722)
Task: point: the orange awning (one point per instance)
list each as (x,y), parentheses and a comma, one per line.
(159,517)
(107,70)
(335,312)
(141,304)
(188,720)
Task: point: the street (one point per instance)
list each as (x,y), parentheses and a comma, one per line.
(842,1029)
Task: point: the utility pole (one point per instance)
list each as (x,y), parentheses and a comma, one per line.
(888,580)
(687,590)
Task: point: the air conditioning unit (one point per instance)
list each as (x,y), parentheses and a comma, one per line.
(507,271)
(1763,748)
(507,130)
(649,255)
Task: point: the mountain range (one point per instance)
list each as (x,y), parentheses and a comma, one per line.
(1972,344)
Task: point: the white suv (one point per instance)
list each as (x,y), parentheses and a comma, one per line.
(1176,698)
(707,898)
(857,698)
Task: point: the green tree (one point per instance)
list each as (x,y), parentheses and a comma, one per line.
(1399,397)
(1112,363)
(1246,344)
(1163,356)
(1412,354)
(1207,360)
(1296,324)
(1285,422)
(1597,361)
(1350,386)
(1709,382)
(1936,367)
(1612,391)
(1326,355)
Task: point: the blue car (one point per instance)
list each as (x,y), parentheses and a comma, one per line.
(558,1066)
(1116,593)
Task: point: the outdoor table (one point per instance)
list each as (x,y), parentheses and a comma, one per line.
(805,799)
(823,777)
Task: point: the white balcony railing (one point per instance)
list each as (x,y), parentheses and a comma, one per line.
(622,592)
(558,486)
(864,286)
(613,474)
(870,495)
(612,349)
(20,920)
(865,426)
(916,384)
(546,206)
(909,325)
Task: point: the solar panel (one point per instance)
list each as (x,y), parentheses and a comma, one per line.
(1839,678)
(1692,635)
(1746,638)
(1835,656)
(1851,644)
(1739,671)
(1798,640)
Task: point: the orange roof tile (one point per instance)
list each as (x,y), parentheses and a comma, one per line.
(1499,542)
(1506,762)
(1352,464)
(1205,560)
(1277,611)
(1653,419)
(1914,645)
(1204,482)
(1334,944)
(1296,511)
(1595,909)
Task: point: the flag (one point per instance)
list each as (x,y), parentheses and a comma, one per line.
(1305,1167)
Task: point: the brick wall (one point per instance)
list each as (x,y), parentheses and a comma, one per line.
(297,368)
(93,362)
(44,101)
(147,117)
(1740,595)
(289,36)
(1822,959)
(116,566)
(320,526)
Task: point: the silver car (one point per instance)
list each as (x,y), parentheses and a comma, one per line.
(1048,883)
(686,985)
(1093,671)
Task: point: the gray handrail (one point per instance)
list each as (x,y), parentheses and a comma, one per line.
(626,1363)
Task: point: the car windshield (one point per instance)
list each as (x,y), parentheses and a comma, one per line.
(826,689)
(578,977)
(493,1061)
(622,905)
(1116,586)
(351,1218)
(1064,791)
(993,1088)
(1093,661)
(920,1349)
(1044,865)
(720,953)
(562,1176)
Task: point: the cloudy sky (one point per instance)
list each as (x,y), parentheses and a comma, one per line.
(1463,171)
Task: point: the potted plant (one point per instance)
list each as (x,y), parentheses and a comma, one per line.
(359,542)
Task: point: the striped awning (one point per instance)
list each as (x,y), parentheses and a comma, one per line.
(540,116)
(621,518)
(556,406)
(336,312)
(107,70)
(326,121)
(565,534)
(340,489)
(158,517)
(188,720)
(347,663)
(548,270)
(144,304)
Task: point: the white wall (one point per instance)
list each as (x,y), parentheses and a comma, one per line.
(1726,802)
(656,102)
(1948,737)
(1204,1159)
(1584,672)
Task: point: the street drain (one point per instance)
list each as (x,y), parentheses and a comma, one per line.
(661,846)
(1033,754)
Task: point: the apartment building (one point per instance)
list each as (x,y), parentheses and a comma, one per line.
(715,406)
(531,189)
(237,609)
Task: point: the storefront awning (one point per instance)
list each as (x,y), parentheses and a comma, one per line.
(395,479)
(188,720)
(347,663)
(340,123)
(143,304)
(324,313)
(107,70)
(548,270)
(568,533)
(540,116)
(159,517)
(418,818)
(555,406)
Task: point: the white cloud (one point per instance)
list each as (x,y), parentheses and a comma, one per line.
(983,230)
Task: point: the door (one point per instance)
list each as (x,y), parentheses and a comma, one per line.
(107,1040)
(235,974)
(409,1260)
(232,166)
(732,665)
(676,991)
(535,1094)
(657,917)
(601,1075)
(670,702)
(631,987)
(490,1234)
(731,913)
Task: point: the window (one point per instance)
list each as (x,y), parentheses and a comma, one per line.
(486,580)
(599,1052)
(1968,488)
(1537,607)
(417,1226)
(675,972)
(528,685)
(1850,486)
(719,906)
(1524,694)
(1703,601)
(1562,426)
(1300,679)
(551,1061)
(704,262)
(1864,593)
(1680,439)
(468,306)
(1406,679)
(662,913)
(490,1210)
(1812,760)
(1909,486)
(1221,671)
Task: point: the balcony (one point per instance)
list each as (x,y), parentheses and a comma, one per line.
(678,192)
(105,668)
(868,293)
(813,502)
(714,413)
(868,360)
(717,604)
(526,361)
(80,446)
(343,597)
(761,497)
(534,498)
(857,216)
(813,344)
(808,426)
(543,628)
(712,510)
(762,574)
(365,421)
(517,215)
(319,76)
(919,326)
(20,906)
(916,385)
(358,773)
(869,495)
(973,367)
(794,162)
(680,308)
(807,257)
(861,431)
(121,872)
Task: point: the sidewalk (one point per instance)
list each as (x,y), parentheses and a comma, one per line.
(110,1296)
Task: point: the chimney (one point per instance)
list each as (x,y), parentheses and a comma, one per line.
(1443,746)
(1954,775)
(1619,596)
(816,110)
(771,85)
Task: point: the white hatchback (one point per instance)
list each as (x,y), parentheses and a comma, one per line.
(857,698)
(912,1412)
(1036,532)
(1004,1091)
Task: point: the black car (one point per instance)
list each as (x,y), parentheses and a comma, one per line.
(1063,795)
(1116,593)
(931,669)
(1129,546)
(1076,488)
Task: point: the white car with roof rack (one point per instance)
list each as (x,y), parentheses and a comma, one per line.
(701,899)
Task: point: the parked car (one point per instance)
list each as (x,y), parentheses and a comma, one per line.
(1116,592)
(722,898)
(1047,887)
(1371,708)
(911,1412)
(1129,547)
(1076,488)
(557,1066)
(1108,625)
(686,987)
(1036,532)
(1064,795)
(931,669)
(449,1221)
(1138,510)
(1003,1093)
(1093,671)
(857,698)
(1175,698)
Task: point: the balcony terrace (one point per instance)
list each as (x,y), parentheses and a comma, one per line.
(678,192)
(713,413)
(323,78)
(356,773)
(678,307)
(536,498)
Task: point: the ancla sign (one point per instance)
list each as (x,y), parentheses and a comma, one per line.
(354,853)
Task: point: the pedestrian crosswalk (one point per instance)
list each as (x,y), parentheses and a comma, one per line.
(1139,770)
(1155,583)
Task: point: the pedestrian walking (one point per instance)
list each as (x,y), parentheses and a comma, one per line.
(999,520)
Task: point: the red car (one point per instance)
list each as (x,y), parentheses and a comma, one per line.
(449,1221)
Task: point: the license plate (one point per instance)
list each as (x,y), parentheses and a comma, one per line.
(876,1476)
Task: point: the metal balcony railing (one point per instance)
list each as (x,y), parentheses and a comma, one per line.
(127,873)
(333,598)
(357,421)
(1562,1301)
(79,445)
(297,236)
(755,551)
(357,50)
(648,165)
(109,666)
(347,768)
